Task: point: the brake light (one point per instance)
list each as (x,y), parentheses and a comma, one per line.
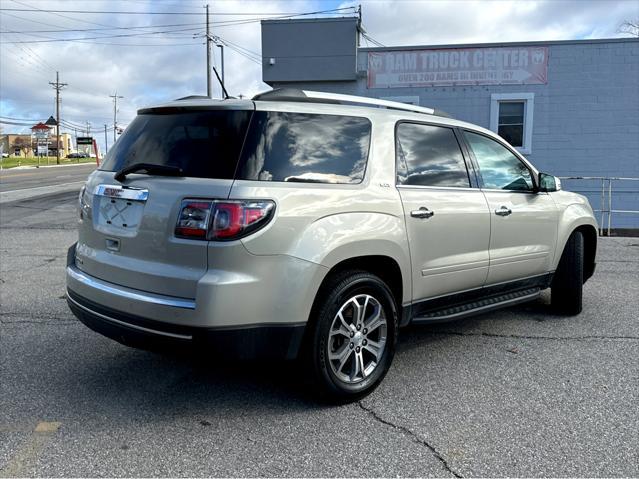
(222,220)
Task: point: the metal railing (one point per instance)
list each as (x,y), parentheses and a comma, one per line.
(606,210)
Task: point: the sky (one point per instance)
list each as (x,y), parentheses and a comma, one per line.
(158,54)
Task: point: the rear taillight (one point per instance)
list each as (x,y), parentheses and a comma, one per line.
(222,220)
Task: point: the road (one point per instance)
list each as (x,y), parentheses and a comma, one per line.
(520,392)
(16,184)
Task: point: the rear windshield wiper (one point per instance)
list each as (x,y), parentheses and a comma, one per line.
(151,169)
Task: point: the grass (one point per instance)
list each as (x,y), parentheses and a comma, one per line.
(13,161)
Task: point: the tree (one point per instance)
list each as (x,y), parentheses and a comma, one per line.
(23,144)
(630,27)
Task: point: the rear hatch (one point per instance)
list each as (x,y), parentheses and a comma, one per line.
(127,228)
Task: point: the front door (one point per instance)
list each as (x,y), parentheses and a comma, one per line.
(447,219)
(523,222)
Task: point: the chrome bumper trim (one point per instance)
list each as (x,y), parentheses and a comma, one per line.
(144,297)
(128,325)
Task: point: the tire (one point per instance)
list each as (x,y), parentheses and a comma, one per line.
(336,350)
(567,285)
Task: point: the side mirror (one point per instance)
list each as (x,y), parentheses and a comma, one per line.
(549,183)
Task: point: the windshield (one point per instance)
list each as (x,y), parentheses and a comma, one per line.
(204,144)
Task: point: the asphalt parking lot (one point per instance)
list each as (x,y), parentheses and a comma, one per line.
(515,393)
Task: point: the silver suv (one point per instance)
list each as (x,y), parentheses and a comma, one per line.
(311,225)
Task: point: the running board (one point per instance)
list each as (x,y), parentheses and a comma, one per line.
(479,306)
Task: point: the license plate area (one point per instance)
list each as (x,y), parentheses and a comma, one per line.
(119,209)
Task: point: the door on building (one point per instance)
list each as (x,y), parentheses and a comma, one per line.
(523,221)
(446,215)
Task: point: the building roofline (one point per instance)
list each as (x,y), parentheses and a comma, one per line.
(311,20)
(500,44)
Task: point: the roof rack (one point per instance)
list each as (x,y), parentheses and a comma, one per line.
(193,97)
(293,94)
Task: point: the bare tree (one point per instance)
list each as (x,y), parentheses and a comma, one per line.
(630,27)
(23,144)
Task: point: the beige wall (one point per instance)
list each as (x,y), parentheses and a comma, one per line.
(8,143)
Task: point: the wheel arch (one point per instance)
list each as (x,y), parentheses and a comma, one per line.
(590,249)
(589,233)
(385,267)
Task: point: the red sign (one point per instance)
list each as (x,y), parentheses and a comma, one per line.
(458,66)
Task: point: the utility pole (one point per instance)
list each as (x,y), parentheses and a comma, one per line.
(209,92)
(106,143)
(88,128)
(115,114)
(57,86)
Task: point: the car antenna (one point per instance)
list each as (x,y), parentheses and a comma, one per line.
(226,94)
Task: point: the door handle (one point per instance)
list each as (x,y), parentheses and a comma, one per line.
(423,212)
(503,211)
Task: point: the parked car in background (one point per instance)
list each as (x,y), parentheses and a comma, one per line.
(77,155)
(314,226)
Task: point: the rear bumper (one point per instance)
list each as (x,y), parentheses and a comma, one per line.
(249,342)
(147,320)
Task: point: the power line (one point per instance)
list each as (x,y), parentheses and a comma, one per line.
(58,14)
(8,122)
(371,39)
(123,35)
(63,30)
(121,12)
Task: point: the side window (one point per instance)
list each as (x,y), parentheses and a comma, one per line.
(499,168)
(301,147)
(429,156)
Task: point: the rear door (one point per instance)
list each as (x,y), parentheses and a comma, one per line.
(447,218)
(127,228)
(523,221)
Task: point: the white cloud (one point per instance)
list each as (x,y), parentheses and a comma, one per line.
(150,74)
(482,21)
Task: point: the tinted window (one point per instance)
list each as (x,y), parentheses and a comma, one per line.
(205,144)
(511,122)
(429,156)
(306,148)
(499,168)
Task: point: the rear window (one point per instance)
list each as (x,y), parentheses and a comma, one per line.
(278,147)
(205,144)
(299,147)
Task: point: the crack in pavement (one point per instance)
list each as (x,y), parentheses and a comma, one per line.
(5,318)
(414,437)
(62,322)
(551,338)
(56,228)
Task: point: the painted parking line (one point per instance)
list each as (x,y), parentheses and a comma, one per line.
(24,460)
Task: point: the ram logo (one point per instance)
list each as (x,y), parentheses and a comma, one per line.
(538,56)
(374,62)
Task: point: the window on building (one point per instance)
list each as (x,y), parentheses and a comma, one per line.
(309,148)
(429,156)
(511,117)
(510,125)
(498,167)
